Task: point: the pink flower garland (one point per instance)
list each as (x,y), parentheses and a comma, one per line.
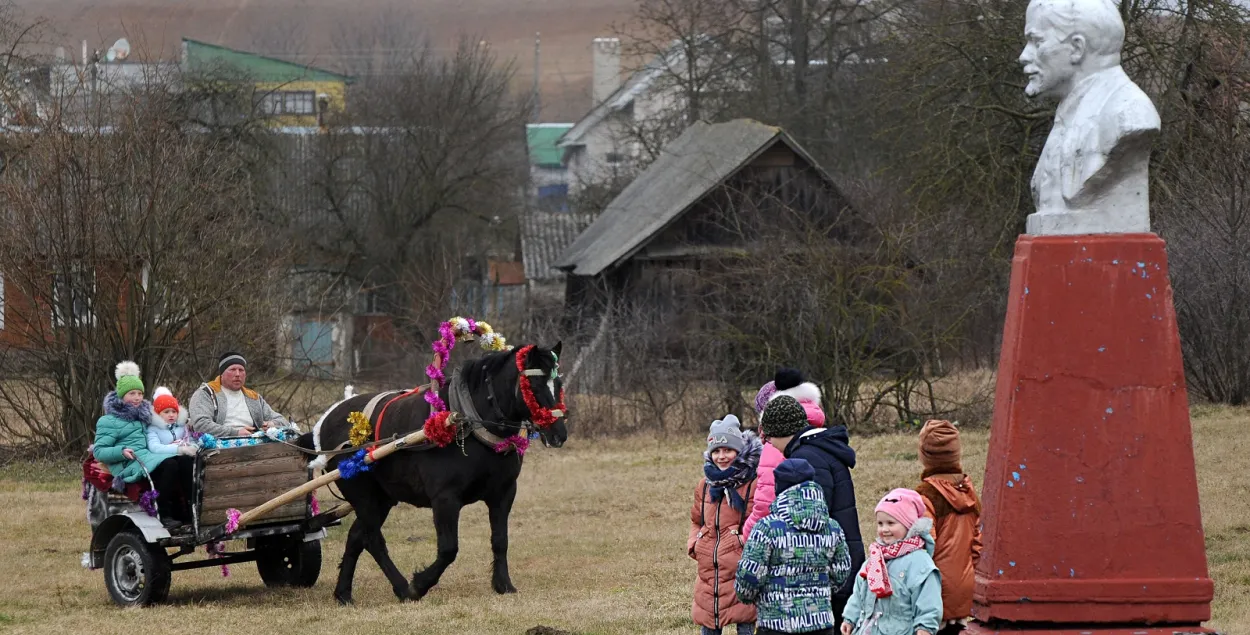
(442,353)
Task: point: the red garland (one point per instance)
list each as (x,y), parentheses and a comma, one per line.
(540,416)
(440,429)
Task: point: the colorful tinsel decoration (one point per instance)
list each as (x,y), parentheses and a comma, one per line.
(147,501)
(520,443)
(218,550)
(361,429)
(440,428)
(443,431)
(232,520)
(542,417)
(353,465)
(314,505)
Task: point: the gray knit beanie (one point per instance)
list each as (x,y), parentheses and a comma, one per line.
(726,433)
(783,417)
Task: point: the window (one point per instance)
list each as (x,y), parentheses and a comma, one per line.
(289,103)
(614,157)
(299,103)
(71,298)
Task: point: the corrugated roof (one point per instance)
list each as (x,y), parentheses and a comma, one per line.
(544,235)
(259,67)
(542,139)
(687,169)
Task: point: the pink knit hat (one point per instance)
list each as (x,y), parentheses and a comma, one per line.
(903,505)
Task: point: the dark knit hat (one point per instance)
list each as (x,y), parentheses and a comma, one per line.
(783,417)
(940,450)
(791,472)
(787,378)
(230,359)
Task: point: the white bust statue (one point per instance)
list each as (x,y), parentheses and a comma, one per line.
(1092,175)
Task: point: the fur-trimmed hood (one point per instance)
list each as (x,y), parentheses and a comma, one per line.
(183,417)
(113,405)
(806,391)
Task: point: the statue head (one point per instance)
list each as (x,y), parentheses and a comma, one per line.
(1068,40)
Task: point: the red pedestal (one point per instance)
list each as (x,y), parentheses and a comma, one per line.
(1091,509)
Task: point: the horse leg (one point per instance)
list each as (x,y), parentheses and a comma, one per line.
(347,566)
(372,507)
(447,524)
(499,510)
(375,544)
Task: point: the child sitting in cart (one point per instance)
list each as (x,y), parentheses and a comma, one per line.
(121,444)
(168,434)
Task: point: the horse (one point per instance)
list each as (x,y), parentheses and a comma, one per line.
(448,478)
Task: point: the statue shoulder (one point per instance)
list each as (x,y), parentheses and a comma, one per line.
(1127,110)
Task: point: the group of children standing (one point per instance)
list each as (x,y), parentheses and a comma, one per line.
(775,531)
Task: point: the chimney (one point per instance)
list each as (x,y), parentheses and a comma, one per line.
(607,68)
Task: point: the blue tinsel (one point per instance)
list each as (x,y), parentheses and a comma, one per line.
(353,465)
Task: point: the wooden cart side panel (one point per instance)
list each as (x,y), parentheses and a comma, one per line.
(244,478)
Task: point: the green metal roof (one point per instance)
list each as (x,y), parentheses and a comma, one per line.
(542,138)
(201,55)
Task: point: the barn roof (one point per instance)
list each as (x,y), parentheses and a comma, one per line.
(689,167)
(544,236)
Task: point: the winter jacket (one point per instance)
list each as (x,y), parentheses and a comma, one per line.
(164,437)
(715,542)
(208,410)
(764,486)
(808,396)
(125,426)
(830,454)
(917,599)
(794,557)
(951,501)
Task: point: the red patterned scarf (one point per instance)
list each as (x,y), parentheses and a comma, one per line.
(879,554)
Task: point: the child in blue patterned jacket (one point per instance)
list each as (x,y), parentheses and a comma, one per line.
(794,558)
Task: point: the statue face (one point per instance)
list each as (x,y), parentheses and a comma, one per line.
(1050,58)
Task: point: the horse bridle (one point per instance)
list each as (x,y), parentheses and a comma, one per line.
(525,424)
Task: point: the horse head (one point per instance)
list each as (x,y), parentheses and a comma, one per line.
(499,376)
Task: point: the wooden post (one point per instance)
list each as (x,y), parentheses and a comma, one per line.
(327,478)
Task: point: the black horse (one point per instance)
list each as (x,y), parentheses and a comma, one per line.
(444,479)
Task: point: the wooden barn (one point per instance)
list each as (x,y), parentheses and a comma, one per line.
(737,189)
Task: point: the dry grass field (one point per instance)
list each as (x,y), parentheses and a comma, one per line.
(597,538)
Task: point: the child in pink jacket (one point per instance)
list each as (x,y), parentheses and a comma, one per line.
(787,381)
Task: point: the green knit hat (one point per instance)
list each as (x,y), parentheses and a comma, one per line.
(127,375)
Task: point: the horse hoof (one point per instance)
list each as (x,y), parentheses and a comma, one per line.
(344,600)
(506,587)
(415,594)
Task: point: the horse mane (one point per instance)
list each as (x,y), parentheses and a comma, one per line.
(476,371)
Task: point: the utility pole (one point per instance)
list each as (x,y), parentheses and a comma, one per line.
(536,95)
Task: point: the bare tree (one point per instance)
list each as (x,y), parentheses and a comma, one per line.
(426,170)
(128,235)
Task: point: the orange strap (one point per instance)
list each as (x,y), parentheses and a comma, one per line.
(377,427)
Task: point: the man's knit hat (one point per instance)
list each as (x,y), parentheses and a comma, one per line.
(783,417)
(940,450)
(726,433)
(163,399)
(230,359)
(904,505)
(791,472)
(127,374)
(762,397)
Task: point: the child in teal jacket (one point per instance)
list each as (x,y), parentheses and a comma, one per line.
(899,590)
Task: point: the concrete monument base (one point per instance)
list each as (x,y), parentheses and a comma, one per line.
(1087,222)
(1091,511)
(981,629)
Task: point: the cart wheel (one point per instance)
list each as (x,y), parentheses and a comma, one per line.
(136,573)
(289,562)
